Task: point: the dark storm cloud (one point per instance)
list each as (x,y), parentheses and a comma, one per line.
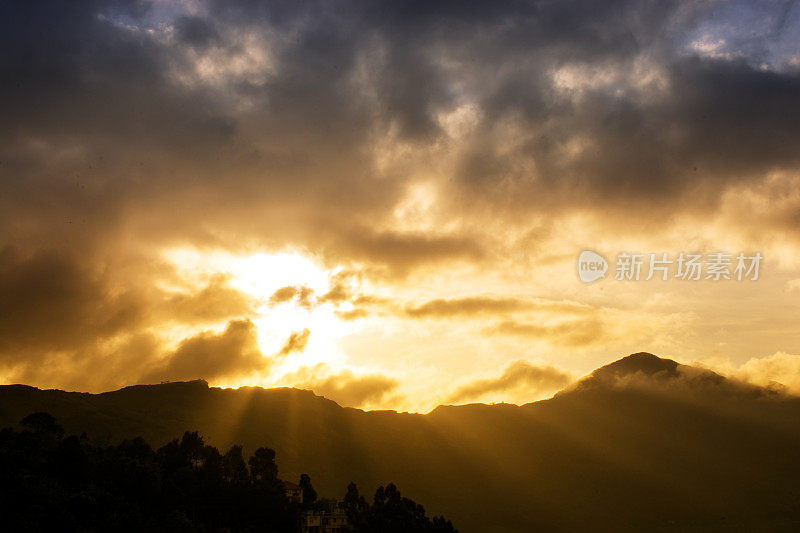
(50,302)
(125,108)
(404,250)
(722,122)
(96,116)
(196,31)
(519,374)
(55,307)
(232,353)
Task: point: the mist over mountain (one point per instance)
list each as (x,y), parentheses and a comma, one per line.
(641,444)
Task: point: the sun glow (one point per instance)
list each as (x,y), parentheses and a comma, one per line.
(259,276)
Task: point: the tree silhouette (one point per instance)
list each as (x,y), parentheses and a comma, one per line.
(262,465)
(353,501)
(42,424)
(356,508)
(51,483)
(390,512)
(233,466)
(192,447)
(309,494)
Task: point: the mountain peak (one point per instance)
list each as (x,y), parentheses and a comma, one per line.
(641,362)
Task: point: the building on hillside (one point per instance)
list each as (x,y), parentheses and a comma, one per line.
(293,492)
(324,521)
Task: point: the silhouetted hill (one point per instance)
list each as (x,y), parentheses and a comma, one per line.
(641,444)
(642,362)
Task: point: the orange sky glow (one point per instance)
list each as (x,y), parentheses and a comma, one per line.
(387,209)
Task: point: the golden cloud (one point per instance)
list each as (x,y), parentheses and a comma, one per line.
(521,377)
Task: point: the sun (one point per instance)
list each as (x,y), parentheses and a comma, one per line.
(259,276)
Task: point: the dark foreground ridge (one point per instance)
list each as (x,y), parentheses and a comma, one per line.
(641,444)
(53,483)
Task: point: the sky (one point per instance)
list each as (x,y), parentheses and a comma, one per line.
(385,202)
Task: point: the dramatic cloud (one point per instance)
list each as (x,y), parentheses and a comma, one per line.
(402,251)
(209,355)
(296,342)
(346,388)
(51,303)
(215,301)
(779,368)
(441,164)
(301,295)
(611,106)
(477,305)
(573,333)
(531,379)
(465,306)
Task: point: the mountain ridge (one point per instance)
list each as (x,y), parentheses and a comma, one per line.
(644,450)
(644,363)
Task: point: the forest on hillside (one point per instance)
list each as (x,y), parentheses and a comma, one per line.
(53,482)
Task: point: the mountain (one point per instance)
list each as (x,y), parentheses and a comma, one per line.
(639,363)
(642,444)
